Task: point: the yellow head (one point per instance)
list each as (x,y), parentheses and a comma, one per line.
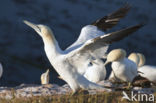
(115,55)
(142,59)
(42,30)
(134,57)
(45,77)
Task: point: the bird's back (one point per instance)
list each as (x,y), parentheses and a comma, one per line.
(149,72)
(126,69)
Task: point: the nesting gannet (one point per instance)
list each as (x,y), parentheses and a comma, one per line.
(142,59)
(147,71)
(123,68)
(96,72)
(134,57)
(45,77)
(67,64)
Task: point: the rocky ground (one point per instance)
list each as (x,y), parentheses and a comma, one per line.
(31,90)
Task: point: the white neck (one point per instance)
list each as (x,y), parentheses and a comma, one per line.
(51,47)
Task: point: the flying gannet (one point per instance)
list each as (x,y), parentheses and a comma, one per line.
(123,68)
(67,64)
(45,77)
(1,70)
(147,71)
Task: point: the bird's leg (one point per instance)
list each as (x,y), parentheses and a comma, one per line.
(114,74)
(115,78)
(74,93)
(129,85)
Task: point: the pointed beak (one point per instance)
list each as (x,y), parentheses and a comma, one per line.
(47,71)
(107,62)
(32,25)
(93,62)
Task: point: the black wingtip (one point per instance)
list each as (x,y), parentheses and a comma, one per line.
(120,34)
(107,22)
(140,25)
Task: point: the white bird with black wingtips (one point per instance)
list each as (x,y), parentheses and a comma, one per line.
(98,28)
(97,71)
(68,64)
(93,30)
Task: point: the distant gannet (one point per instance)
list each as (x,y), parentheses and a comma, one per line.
(147,71)
(96,72)
(67,64)
(1,70)
(123,68)
(45,77)
(134,57)
(142,59)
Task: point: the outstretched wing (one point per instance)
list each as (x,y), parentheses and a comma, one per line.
(112,19)
(87,50)
(95,29)
(99,42)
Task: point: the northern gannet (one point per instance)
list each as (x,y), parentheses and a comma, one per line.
(98,28)
(134,57)
(67,64)
(96,72)
(45,77)
(147,71)
(142,59)
(1,70)
(95,29)
(123,68)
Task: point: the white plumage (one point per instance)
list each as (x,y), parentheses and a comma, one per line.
(98,28)
(122,68)
(147,71)
(45,77)
(69,64)
(96,72)
(125,69)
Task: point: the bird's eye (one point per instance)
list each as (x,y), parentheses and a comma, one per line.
(39,28)
(90,64)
